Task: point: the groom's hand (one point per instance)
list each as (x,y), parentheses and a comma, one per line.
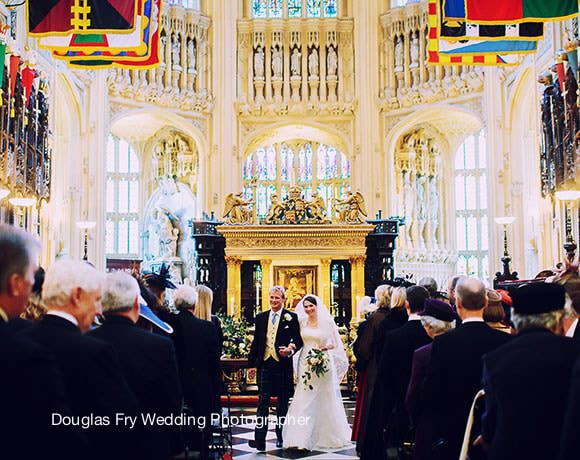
(285,351)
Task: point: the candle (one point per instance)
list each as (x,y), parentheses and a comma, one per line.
(257,294)
(331,293)
(232,305)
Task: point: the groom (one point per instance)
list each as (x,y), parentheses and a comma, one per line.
(276,339)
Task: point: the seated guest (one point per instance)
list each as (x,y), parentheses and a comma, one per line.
(30,384)
(494,313)
(35,308)
(198,361)
(454,371)
(367,347)
(437,318)
(92,378)
(147,361)
(388,403)
(527,380)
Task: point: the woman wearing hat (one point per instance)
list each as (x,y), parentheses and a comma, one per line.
(494,313)
(437,318)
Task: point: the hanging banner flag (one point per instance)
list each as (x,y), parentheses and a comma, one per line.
(2,64)
(466,47)
(53,17)
(435,57)
(28,76)
(14,66)
(130,60)
(510,11)
(90,43)
(460,29)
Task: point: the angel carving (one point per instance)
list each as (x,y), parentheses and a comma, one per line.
(236,210)
(352,209)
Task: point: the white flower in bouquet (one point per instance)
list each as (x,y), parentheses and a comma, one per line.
(317,362)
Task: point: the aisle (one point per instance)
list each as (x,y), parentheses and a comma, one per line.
(243,433)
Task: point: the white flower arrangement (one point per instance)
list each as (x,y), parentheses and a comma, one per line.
(288,317)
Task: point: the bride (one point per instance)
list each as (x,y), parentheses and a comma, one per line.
(321,407)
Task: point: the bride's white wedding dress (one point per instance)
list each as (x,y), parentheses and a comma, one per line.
(324,420)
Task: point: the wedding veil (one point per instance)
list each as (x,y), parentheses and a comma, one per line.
(325,321)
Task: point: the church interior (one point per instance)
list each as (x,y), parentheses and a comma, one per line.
(311,144)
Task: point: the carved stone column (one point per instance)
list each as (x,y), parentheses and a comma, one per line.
(357,276)
(266,283)
(234,286)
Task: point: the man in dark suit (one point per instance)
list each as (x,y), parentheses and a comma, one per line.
(388,404)
(147,361)
(31,388)
(454,371)
(570,444)
(276,338)
(91,374)
(527,381)
(198,360)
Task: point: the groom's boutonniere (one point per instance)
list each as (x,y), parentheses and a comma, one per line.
(288,317)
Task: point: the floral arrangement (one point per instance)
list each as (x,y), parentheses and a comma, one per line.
(237,340)
(317,362)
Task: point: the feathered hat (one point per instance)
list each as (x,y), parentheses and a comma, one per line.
(161,279)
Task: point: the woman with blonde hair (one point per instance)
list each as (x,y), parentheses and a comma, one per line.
(203,311)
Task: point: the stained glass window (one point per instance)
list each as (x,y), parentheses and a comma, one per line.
(472,227)
(275,9)
(313,9)
(312,166)
(292,8)
(122,199)
(259,8)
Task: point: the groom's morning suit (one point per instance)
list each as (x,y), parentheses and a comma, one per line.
(275,372)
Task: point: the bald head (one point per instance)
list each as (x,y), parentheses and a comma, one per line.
(471,294)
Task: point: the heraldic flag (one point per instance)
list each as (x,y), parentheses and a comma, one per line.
(51,17)
(510,11)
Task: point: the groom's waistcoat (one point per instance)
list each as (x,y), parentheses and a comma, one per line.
(270,351)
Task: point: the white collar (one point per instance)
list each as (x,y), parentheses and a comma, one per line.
(472,320)
(64,315)
(414,317)
(279,312)
(572,329)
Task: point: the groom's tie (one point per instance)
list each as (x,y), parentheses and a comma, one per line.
(274,318)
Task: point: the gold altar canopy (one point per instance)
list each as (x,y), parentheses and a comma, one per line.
(295,245)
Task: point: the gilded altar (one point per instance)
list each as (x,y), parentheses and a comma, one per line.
(281,248)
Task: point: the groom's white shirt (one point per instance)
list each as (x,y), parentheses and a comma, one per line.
(270,351)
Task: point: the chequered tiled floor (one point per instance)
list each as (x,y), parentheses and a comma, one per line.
(245,432)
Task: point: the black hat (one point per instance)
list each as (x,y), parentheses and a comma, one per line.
(161,280)
(439,310)
(537,298)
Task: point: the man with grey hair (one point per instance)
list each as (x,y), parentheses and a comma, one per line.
(451,285)
(276,338)
(31,386)
(527,380)
(430,284)
(89,367)
(147,362)
(456,364)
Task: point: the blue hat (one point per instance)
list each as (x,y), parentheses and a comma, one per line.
(147,313)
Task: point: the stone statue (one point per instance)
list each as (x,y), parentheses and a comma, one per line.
(313,63)
(236,210)
(168,235)
(191,51)
(399,54)
(433,208)
(351,209)
(259,63)
(162,45)
(295,63)
(175,51)
(277,63)
(332,59)
(275,209)
(409,205)
(414,50)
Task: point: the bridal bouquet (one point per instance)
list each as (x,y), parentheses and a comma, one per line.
(317,362)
